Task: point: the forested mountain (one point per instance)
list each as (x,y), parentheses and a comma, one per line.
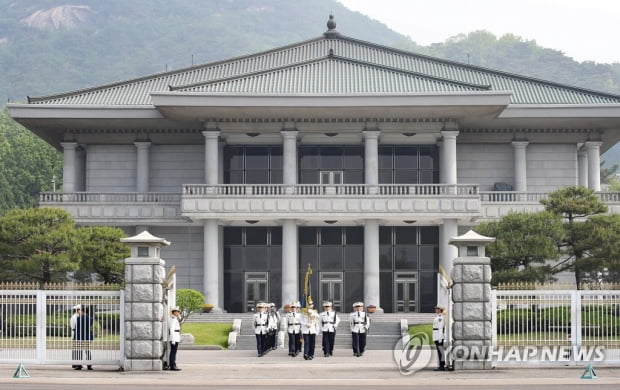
(54,46)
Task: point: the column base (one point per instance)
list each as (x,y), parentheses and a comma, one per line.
(143,365)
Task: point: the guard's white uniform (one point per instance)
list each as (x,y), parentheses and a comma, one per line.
(174,330)
(261,322)
(438,328)
(329,321)
(359,322)
(310,322)
(293,322)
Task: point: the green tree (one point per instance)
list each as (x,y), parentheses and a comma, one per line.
(602,240)
(575,205)
(28,165)
(100,251)
(524,244)
(36,245)
(189,301)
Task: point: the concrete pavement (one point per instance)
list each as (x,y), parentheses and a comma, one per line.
(222,368)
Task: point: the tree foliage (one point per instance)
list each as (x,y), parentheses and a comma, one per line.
(524,244)
(101,252)
(28,165)
(189,301)
(36,245)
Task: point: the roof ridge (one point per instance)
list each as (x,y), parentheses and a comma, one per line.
(329,56)
(480,68)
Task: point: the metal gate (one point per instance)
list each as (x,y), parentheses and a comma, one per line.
(561,327)
(38,326)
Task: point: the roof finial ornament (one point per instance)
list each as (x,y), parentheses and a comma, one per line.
(331,28)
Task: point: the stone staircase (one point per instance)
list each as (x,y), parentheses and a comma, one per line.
(385,329)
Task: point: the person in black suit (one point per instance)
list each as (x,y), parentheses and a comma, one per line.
(83,337)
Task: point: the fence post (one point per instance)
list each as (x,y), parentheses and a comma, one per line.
(144,306)
(472,303)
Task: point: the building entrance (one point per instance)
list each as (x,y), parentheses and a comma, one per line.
(331,289)
(405,292)
(256,289)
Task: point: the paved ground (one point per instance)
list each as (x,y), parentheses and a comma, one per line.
(243,368)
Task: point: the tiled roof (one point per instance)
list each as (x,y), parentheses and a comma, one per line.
(332,65)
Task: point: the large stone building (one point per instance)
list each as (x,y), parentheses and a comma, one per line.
(359,160)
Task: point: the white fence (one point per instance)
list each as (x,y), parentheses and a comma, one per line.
(561,327)
(36,327)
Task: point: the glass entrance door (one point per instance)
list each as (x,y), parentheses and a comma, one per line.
(256,289)
(406,292)
(331,289)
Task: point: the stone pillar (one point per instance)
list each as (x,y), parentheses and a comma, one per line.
(372,291)
(594,164)
(471,310)
(449,156)
(144,303)
(211,155)
(520,161)
(447,253)
(80,169)
(142,166)
(212,277)
(69,166)
(289,159)
(290,262)
(582,168)
(371,160)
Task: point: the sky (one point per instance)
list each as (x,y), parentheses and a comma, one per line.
(586,30)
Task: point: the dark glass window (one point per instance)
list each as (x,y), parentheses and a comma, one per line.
(330,257)
(405,157)
(308,157)
(307,236)
(256,236)
(406,235)
(354,257)
(429,257)
(354,235)
(331,236)
(233,236)
(257,258)
(416,164)
(406,257)
(429,235)
(253,164)
(428,157)
(353,158)
(256,157)
(331,158)
(385,257)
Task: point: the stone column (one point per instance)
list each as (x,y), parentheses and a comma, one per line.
(594,164)
(212,277)
(289,159)
(69,166)
(371,160)
(372,291)
(142,166)
(211,156)
(582,168)
(80,169)
(471,310)
(447,253)
(520,161)
(449,156)
(144,303)
(290,262)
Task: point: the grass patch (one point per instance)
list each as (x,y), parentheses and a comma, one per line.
(423,328)
(208,333)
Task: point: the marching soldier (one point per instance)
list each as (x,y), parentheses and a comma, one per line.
(360,323)
(310,326)
(260,328)
(329,324)
(438,337)
(272,327)
(293,327)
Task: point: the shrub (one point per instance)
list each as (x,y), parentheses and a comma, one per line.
(189,300)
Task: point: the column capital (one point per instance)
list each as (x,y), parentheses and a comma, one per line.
(142,144)
(211,134)
(371,134)
(449,134)
(69,145)
(289,133)
(593,144)
(520,144)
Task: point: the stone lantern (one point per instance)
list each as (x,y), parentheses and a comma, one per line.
(471,297)
(144,307)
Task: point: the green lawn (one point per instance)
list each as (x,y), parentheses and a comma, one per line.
(208,333)
(423,328)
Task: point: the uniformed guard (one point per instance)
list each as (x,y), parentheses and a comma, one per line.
(261,319)
(360,323)
(174,336)
(310,327)
(329,324)
(438,337)
(272,327)
(293,327)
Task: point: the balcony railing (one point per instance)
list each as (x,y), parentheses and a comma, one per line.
(218,190)
(109,197)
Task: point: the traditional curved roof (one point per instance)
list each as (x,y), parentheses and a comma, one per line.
(335,64)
